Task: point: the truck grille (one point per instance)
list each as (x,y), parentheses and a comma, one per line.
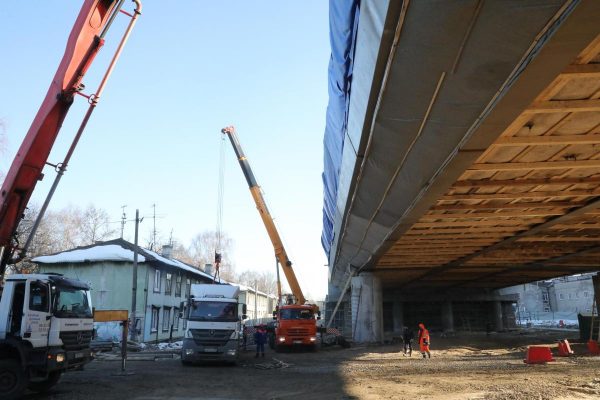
(76,340)
(211,337)
(297,332)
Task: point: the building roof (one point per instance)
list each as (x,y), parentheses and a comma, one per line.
(117,250)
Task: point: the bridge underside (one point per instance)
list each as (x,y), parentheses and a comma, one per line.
(472,153)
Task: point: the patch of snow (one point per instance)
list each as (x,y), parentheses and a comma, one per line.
(110,252)
(177,263)
(170,346)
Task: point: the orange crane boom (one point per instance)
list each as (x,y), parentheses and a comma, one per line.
(280,253)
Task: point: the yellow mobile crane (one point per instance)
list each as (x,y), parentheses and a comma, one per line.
(296,321)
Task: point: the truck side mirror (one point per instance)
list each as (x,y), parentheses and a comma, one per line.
(181,305)
(180,314)
(274,315)
(318,314)
(244,316)
(244,309)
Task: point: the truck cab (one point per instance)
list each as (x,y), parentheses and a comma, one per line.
(46,325)
(295,326)
(213,324)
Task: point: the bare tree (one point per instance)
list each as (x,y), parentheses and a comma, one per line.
(263,280)
(202,251)
(95,225)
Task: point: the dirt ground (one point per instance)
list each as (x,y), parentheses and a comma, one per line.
(466,366)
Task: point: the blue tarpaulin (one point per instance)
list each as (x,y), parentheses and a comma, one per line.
(343,22)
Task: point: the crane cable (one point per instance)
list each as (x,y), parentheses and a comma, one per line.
(219,228)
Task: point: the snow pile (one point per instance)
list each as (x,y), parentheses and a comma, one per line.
(170,346)
(110,252)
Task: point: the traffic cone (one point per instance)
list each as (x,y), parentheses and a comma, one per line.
(564,348)
(593,347)
(538,355)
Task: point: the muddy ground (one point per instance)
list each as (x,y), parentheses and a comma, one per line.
(468,366)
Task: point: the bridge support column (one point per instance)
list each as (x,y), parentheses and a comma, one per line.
(367,308)
(498,316)
(447,317)
(398,312)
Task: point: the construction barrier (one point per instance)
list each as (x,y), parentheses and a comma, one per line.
(564,348)
(538,355)
(593,347)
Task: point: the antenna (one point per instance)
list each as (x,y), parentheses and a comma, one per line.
(123,219)
(153,228)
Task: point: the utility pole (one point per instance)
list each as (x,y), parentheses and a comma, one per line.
(123,220)
(153,227)
(256,299)
(134,286)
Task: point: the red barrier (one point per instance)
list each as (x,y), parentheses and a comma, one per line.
(564,348)
(538,355)
(593,347)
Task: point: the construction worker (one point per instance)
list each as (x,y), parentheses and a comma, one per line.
(424,341)
(260,338)
(407,337)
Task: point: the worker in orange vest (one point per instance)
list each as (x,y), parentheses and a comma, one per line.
(424,341)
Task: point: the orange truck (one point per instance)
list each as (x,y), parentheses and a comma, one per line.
(296,321)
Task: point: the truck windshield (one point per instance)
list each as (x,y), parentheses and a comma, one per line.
(296,313)
(72,303)
(213,311)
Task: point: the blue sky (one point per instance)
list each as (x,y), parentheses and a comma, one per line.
(189,69)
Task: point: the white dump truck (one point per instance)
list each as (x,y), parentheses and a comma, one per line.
(46,325)
(214,324)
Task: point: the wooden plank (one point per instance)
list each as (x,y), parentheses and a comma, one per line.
(110,315)
(510,222)
(582,71)
(526,182)
(550,204)
(494,215)
(470,229)
(547,140)
(517,166)
(590,52)
(521,195)
(563,106)
(559,239)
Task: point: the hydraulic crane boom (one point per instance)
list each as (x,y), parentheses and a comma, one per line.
(85,40)
(280,253)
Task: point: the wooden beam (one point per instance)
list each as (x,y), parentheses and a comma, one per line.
(494,215)
(549,204)
(521,195)
(517,166)
(559,239)
(563,106)
(470,229)
(547,140)
(526,182)
(509,222)
(582,71)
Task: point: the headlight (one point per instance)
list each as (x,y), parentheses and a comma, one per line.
(60,357)
(313,339)
(189,352)
(234,335)
(231,352)
(281,338)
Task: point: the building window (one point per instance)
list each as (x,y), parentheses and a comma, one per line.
(176,319)
(157,281)
(570,296)
(561,296)
(178,285)
(168,283)
(545,296)
(166,318)
(586,294)
(154,322)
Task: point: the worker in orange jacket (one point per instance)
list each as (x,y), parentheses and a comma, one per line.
(424,341)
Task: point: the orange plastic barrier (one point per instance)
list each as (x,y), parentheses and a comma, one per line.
(538,355)
(564,348)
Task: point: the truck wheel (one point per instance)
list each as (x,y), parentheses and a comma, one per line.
(46,384)
(13,379)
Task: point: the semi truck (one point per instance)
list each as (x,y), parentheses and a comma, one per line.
(214,318)
(46,325)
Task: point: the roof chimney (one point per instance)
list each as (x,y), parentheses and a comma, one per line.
(167,251)
(208,268)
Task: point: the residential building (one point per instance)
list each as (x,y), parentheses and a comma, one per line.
(162,284)
(259,305)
